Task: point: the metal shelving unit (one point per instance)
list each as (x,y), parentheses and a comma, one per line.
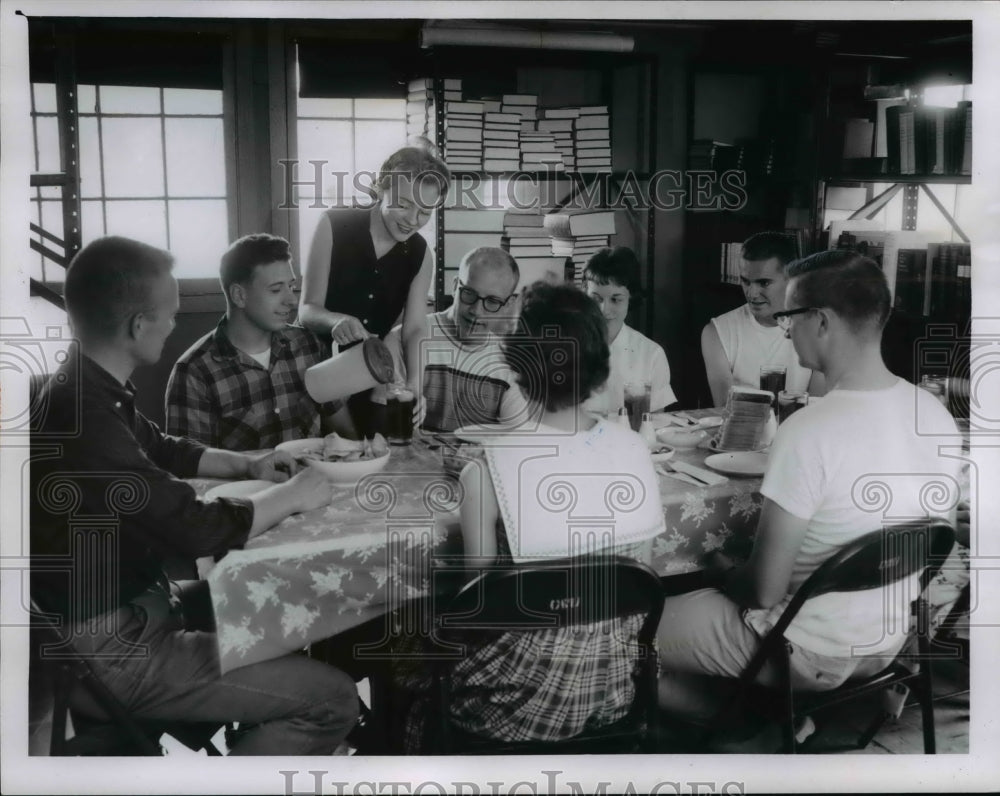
(641,220)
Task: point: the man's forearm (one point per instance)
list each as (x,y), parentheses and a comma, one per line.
(217,463)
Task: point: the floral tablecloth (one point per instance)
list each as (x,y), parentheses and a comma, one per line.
(392,538)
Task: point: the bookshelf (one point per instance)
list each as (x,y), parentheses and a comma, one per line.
(878,130)
(621,83)
(930,276)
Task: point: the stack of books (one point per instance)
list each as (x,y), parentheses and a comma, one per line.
(592,139)
(558,122)
(561,130)
(420,108)
(747,413)
(463,135)
(538,152)
(579,233)
(524,105)
(579,250)
(467,230)
(527,240)
(501,139)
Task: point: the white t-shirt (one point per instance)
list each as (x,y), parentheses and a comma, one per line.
(855,462)
(749,345)
(264,358)
(635,359)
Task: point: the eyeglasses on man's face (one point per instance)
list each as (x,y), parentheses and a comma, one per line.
(784,317)
(468,296)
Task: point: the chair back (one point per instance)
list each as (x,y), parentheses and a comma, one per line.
(876,560)
(553,594)
(557,593)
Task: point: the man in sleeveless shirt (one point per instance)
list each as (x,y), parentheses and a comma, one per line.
(738,343)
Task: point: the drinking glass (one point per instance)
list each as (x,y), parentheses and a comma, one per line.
(637,400)
(772,378)
(399,415)
(789,402)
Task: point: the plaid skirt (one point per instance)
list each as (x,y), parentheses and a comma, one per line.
(533,686)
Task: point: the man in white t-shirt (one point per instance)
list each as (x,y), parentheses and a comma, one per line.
(865,457)
(738,343)
(466,378)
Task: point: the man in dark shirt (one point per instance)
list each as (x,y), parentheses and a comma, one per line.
(108,507)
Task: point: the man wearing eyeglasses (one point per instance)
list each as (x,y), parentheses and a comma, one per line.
(870,454)
(466,379)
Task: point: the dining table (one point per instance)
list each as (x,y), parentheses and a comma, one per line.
(391,540)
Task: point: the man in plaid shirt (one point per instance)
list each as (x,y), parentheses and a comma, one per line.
(241,387)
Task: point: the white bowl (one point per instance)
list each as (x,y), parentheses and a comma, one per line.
(681,438)
(338,472)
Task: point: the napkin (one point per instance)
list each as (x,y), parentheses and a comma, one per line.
(686,479)
(712,479)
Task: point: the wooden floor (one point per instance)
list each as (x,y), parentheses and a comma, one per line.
(837,730)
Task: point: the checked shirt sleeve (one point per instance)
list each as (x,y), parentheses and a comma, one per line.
(189,407)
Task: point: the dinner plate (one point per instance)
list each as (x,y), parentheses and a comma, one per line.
(237,489)
(739,463)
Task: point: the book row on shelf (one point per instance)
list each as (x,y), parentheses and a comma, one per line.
(510,132)
(926,278)
(908,138)
(547,246)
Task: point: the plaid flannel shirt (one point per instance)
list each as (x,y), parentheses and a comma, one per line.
(224,398)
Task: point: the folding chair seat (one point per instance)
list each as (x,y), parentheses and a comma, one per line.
(876,560)
(542,596)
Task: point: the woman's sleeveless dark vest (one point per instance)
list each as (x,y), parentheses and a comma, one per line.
(372,290)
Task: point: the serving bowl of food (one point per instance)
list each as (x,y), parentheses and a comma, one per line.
(342,460)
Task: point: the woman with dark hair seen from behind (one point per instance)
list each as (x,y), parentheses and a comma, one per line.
(366,266)
(612,280)
(553,684)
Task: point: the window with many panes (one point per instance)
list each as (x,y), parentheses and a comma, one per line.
(351,137)
(152,167)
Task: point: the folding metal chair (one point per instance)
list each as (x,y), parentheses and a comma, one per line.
(105,727)
(877,559)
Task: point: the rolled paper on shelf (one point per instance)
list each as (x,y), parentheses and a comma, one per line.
(355,370)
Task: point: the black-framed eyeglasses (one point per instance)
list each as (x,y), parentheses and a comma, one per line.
(784,318)
(468,296)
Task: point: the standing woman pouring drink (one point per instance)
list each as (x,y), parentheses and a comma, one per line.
(368,265)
